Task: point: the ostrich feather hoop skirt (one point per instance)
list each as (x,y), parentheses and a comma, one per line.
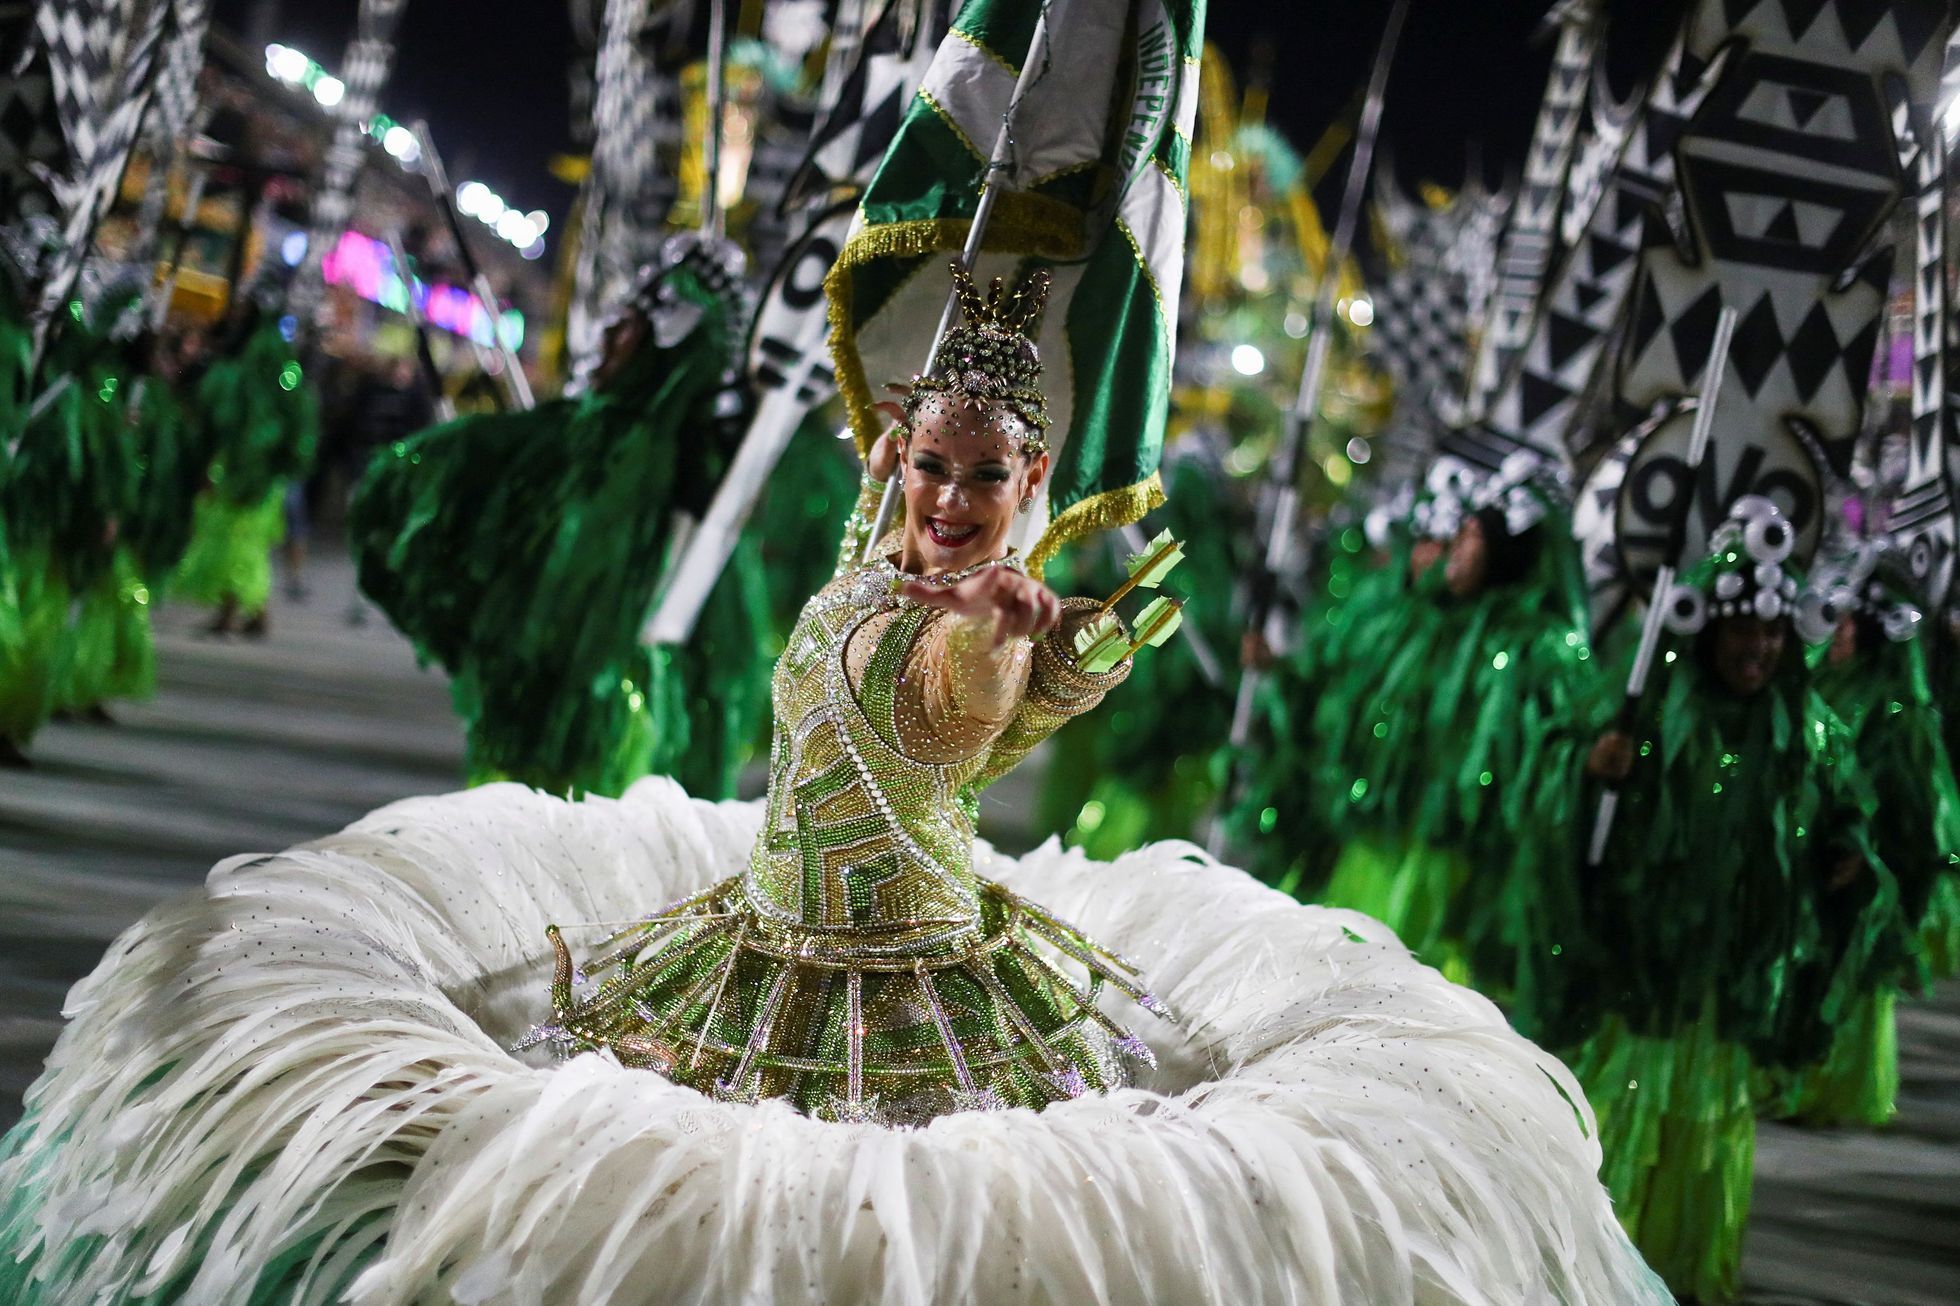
(293,1086)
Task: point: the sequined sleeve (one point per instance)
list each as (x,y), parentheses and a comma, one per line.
(934,684)
(1057,690)
(857,527)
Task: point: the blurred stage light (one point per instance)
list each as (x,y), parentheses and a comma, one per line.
(401,144)
(1247,360)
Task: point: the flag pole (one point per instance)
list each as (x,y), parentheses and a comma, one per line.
(1656,615)
(445,198)
(998,163)
(1283,493)
(713,220)
(445,408)
(200,176)
(681,524)
(697,568)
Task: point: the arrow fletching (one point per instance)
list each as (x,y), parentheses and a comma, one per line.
(1148,569)
(1100,645)
(1158,621)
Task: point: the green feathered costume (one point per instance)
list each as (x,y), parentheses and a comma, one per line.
(173,446)
(108,648)
(521,551)
(1883,694)
(264,427)
(1410,727)
(81,628)
(33,602)
(1708,951)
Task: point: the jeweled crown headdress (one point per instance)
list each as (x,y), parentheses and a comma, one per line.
(990,357)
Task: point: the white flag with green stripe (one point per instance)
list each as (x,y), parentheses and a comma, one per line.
(1094,192)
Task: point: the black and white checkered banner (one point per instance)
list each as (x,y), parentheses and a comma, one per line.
(588,20)
(853,130)
(173,118)
(176,93)
(1530,236)
(86,194)
(1790,169)
(1427,311)
(364,71)
(80,38)
(1921,520)
(1539,405)
(636,113)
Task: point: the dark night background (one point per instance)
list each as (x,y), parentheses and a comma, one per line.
(490,75)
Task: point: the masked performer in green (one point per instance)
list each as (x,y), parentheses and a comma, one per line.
(1409,722)
(1736,912)
(263,431)
(522,551)
(1872,672)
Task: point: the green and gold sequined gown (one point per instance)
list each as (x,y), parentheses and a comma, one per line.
(859,968)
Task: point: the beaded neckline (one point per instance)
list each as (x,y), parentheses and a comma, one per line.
(886,567)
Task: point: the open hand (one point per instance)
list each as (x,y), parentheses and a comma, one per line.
(882,461)
(1014,603)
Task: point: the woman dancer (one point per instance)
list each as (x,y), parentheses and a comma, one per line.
(310,1096)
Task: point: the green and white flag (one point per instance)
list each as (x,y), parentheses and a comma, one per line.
(1094,191)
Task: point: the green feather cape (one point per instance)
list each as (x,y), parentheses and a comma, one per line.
(1712,896)
(1411,718)
(522,550)
(1886,699)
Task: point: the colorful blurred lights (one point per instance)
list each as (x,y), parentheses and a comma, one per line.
(364,266)
(523,230)
(1247,360)
(471,196)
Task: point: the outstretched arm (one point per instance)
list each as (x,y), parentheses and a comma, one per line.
(967,671)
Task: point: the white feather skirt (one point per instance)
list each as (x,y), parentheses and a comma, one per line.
(293,1086)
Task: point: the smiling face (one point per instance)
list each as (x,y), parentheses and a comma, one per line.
(965,477)
(1747,652)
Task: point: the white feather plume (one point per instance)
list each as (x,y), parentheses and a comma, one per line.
(309,1054)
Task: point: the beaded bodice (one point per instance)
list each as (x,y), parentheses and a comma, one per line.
(881,742)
